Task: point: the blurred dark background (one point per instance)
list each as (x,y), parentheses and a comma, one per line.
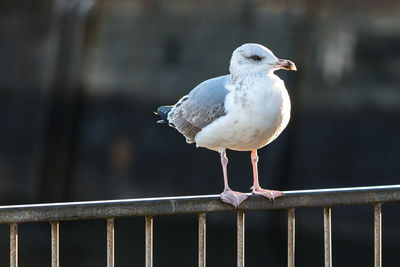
(80,79)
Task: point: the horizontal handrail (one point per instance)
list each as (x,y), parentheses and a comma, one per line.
(68,211)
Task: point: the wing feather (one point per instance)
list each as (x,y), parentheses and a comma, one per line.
(203,105)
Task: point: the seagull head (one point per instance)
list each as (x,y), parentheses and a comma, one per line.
(255,58)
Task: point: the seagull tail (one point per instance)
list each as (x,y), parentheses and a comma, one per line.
(163,113)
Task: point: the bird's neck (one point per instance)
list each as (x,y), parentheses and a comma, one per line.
(238,81)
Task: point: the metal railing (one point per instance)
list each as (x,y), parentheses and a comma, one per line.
(54,213)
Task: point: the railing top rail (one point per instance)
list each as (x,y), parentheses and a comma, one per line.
(193,204)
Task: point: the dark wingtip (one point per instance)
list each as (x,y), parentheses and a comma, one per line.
(163,113)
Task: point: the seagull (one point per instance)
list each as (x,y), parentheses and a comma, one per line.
(243,111)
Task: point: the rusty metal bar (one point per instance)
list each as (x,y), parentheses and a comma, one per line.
(110,242)
(378,234)
(291,236)
(55,244)
(240,238)
(193,204)
(149,241)
(13,245)
(202,239)
(327,237)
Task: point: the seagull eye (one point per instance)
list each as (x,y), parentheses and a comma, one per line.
(256,58)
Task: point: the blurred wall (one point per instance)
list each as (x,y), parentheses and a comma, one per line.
(79,81)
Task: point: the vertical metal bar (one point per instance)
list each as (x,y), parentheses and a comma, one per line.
(327,237)
(202,240)
(55,241)
(378,234)
(110,242)
(240,238)
(291,236)
(13,245)
(149,241)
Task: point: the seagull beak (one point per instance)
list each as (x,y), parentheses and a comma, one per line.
(286,64)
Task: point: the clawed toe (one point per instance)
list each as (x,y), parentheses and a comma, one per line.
(270,194)
(232,197)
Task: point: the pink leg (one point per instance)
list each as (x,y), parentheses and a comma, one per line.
(224,163)
(228,196)
(257,190)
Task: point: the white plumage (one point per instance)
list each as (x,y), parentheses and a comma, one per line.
(257,110)
(245,111)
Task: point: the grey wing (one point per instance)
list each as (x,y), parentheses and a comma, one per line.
(203,105)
